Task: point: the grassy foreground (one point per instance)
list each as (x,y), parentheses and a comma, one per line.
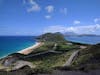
(53,53)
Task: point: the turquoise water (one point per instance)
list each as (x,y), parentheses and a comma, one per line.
(12,44)
(84,39)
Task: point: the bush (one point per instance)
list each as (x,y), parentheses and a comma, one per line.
(43,69)
(64,47)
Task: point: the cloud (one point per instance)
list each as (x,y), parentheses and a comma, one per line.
(47,16)
(97,20)
(76,22)
(76,29)
(64,11)
(49,8)
(56,28)
(33,6)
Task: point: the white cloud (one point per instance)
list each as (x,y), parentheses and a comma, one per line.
(64,11)
(56,28)
(76,22)
(34,6)
(76,29)
(50,8)
(96,20)
(47,16)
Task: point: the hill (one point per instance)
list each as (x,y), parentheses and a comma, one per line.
(56,52)
(51,37)
(88,58)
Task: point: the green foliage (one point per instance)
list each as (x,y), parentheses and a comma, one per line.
(42,69)
(64,47)
(47,46)
(52,37)
(88,58)
(83,59)
(47,63)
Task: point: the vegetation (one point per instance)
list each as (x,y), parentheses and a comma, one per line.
(47,46)
(88,58)
(52,37)
(46,61)
(65,47)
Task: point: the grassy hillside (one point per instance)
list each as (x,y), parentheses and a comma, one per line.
(55,53)
(52,37)
(88,58)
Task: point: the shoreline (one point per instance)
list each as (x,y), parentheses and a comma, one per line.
(28,50)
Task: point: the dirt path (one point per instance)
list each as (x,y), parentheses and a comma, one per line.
(69,61)
(74,54)
(19,64)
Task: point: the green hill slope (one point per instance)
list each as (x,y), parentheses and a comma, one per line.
(51,37)
(88,58)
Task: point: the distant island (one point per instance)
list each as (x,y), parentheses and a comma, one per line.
(76,34)
(52,54)
(88,35)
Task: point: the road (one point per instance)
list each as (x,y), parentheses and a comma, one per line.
(21,63)
(69,61)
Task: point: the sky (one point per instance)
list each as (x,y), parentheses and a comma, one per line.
(34,17)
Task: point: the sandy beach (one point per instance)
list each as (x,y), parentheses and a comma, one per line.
(30,49)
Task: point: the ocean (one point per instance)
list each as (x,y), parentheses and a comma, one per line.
(84,39)
(12,44)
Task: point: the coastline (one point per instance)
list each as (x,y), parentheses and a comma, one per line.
(28,50)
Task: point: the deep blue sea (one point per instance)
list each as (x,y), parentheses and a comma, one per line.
(12,44)
(84,39)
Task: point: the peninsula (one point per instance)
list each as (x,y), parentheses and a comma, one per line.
(52,53)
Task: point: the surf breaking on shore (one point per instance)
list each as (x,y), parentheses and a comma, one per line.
(28,50)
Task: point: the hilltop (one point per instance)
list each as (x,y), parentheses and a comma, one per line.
(51,37)
(55,54)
